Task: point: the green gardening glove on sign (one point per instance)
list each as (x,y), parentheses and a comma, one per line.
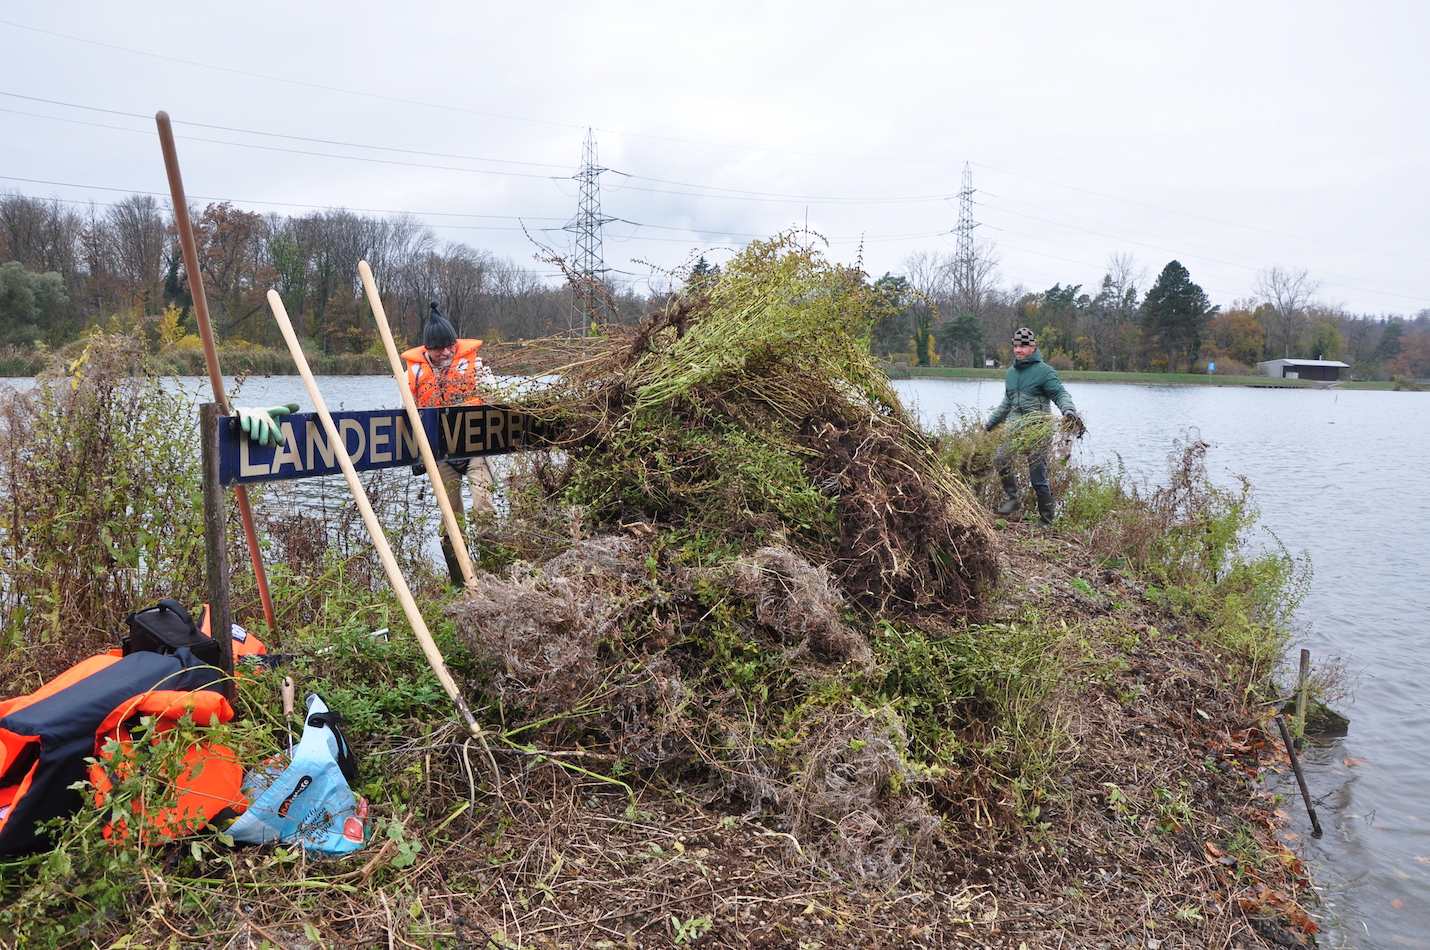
(261,425)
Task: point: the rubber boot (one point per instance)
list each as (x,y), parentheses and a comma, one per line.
(1010,488)
(454,567)
(1047,511)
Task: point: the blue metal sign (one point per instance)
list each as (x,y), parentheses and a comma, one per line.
(378,438)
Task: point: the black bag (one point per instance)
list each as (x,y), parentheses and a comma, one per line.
(165,628)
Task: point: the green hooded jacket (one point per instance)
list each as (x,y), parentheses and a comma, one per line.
(1031,385)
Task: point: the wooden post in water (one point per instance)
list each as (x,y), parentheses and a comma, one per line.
(1301,687)
(216,541)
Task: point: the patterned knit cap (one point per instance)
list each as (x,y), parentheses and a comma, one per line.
(1024,337)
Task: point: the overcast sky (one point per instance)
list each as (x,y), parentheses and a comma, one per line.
(1229,136)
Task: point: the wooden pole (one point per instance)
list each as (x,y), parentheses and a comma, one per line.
(206,335)
(374,529)
(1300,779)
(216,541)
(414,418)
(1302,684)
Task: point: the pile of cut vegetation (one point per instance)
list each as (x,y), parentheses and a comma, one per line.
(750,409)
(738,497)
(755,670)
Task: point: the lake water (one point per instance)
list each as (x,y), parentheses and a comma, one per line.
(1338,475)
(1341,476)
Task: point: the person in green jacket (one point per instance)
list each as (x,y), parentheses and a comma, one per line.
(1031,385)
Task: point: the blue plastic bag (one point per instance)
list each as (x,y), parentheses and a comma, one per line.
(309,802)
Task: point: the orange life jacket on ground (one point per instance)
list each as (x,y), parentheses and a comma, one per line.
(207,781)
(46,736)
(459,386)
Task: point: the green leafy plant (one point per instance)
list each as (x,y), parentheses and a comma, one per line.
(686,932)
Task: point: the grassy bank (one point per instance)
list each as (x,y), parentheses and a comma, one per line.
(1147,379)
(699,735)
(235,360)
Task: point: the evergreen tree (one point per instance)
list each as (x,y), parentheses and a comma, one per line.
(1389,346)
(963,333)
(1173,315)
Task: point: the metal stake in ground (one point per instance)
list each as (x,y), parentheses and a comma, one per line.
(424,446)
(1300,779)
(206,335)
(374,528)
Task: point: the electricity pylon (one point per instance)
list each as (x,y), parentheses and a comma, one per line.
(588,265)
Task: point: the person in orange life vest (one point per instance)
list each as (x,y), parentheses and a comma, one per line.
(446,371)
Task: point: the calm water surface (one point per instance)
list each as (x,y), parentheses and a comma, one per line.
(1339,476)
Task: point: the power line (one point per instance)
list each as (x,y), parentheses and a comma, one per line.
(274,204)
(708,191)
(279,135)
(495,115)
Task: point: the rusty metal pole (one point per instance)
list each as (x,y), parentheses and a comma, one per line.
(206,334)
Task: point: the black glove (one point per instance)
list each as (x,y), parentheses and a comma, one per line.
(989,426)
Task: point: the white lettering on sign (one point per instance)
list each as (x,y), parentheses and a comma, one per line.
(245,467)
(354,427)
(287,453)
(516,428)
(318,439)
(450,430)
(406,439)
(378,438)
(496,429)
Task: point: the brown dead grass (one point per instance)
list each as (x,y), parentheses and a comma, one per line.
(556,854)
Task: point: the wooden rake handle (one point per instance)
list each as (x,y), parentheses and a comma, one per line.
(449,517)
(374,529)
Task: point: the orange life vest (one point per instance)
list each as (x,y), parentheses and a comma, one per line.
(46,736)
(207,782)
(458,386)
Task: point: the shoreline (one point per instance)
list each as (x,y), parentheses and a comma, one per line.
(1152,379)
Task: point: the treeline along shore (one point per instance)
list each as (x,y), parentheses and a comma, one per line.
(67,268)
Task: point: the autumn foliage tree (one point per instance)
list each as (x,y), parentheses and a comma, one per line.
(1236,335)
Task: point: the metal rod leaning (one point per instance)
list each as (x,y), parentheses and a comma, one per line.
(374,528)
(206,334)
(414,418)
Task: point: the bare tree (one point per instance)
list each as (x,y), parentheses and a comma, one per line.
(1288,292)
(459,279)
(136,235)
(45,238)
(973,281)
(1115,306)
